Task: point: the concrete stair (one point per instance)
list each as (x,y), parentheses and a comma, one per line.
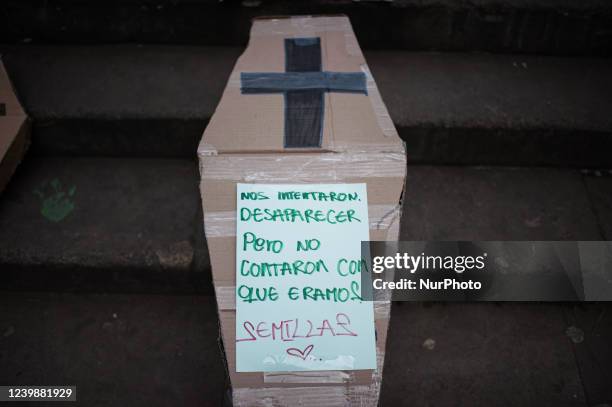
(135,224)
(130,225)
(452,108)
(551,27)
(104,268)
(166,347)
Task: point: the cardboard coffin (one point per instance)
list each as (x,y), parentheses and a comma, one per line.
(247,141)
(14,129)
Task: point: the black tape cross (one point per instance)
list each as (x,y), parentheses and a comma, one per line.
(2,109)
(304,85)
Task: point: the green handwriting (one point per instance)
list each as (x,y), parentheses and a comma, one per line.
(330,216)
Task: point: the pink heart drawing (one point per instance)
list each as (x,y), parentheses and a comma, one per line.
(299,353)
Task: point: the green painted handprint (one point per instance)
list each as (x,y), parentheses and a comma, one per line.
(56,202)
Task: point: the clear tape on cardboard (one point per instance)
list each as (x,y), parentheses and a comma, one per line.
(303,168)
(301,377)
(223,223)
(300,26)
(308,26)
(341,395)
(332,396)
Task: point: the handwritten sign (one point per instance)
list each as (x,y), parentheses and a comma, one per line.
(298,264)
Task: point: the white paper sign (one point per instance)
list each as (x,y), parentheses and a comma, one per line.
(298,264)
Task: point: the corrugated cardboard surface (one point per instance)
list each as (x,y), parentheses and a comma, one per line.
(14,129)
(244,143)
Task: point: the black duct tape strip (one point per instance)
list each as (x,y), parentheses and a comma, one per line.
(2,109)
(303,108)
(304,85)
(303,55)
(303,118)
(279,82)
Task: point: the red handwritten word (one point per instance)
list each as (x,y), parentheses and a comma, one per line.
(292,329)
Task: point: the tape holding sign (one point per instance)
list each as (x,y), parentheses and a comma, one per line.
(298,303)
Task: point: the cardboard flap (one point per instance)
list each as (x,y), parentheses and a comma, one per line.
(9,129)
(9,104)
(12,115)
(14,129)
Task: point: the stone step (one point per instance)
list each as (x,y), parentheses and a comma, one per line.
(166,347)
(109,345)
(451,108)
(104,225)
(135,225)
(553,27)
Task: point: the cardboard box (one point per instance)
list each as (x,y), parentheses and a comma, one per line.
(14,129)
(251,139)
